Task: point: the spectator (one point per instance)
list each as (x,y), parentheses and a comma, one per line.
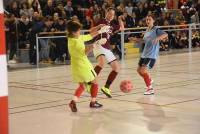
(128,20)
(89,12)
(96,19)
(198,8)
(195,18)
(80,12)
(161,19)
(36,28)
(60,10)
(145,10)
(120,9)
(196,39)
(129,8)
(97,10)
(24,27)
(69,10)
(181,40)
(48,9)
(42,3)
(47,27)
(12,32)
(87,23)
(61,53)
(55,17)
(140,11)
(171,19)
(35,6)
(14,9)
(25,10)
(75,18)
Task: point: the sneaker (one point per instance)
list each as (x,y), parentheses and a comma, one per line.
(12,61)
(149,91)
(106,91)
(95,105)
(72,105)
(88,87)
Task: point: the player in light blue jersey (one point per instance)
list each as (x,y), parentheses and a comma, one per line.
(152,38)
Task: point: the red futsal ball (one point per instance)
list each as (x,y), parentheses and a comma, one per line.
(126,86)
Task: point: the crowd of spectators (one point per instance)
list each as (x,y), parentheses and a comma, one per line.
(25,19)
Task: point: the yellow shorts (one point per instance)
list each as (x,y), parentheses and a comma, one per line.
(83,74)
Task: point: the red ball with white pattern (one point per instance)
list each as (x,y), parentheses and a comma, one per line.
(126,86)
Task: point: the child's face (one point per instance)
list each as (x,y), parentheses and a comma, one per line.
(110,15)
(149,21)
(77,33)
(61,22)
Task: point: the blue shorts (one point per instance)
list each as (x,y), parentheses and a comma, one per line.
(148,62)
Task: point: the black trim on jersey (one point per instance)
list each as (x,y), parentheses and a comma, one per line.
(93,73)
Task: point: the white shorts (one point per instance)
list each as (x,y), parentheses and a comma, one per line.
(99,50)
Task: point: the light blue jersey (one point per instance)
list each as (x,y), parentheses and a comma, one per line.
(151,50)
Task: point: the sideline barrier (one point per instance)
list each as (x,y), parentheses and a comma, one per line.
(137,30)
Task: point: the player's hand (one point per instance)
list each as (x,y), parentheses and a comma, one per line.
(101,25)
(104,29)
(101,41)
(155,41)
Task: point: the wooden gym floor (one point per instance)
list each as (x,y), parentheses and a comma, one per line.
(38,100)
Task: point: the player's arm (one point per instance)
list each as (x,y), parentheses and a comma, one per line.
(121,23)
(94,30)
(88,49)
(103,29)
(119,27)
(161,36)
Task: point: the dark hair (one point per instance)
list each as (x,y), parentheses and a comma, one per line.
(73,26)
(110,8)
(152,16)
(47,18)
(61,18)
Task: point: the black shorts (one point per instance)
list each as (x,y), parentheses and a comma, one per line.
(148,62)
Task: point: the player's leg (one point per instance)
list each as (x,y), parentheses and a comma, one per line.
(144,63)
(144,73)
(77,94)
(94,91)
(101,62)
(112,75)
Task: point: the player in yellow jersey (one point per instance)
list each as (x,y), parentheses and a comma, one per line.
(82,70)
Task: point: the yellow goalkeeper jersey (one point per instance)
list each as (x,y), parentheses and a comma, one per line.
(81,67)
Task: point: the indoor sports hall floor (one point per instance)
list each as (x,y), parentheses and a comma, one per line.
(38,101)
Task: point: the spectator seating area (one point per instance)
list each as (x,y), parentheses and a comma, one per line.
(26,18)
